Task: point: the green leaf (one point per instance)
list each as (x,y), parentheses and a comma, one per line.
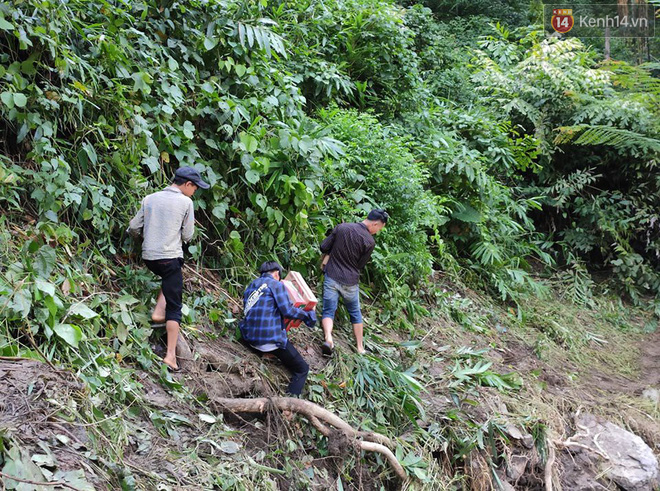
(250,142)
(5,25)
(75,479)
(240,70)
(91,153)
(22,302)
(20,99)
(82,310)
(152,163)
(252,176)
(69,333)
(45,286)
(126,300)
(142,82)
(121,331)
(261,201)
(210,43)
(220,211)
(358,195)
(467,214)
(188,129)
(51,305)
(44,261)
(7,99)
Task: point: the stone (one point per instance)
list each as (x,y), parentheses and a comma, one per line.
(652,395)
(631,465)
(504,485)
(183,352)
(515,467)
(513,431)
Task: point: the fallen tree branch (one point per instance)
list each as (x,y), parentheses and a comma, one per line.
(39,483)
(317,415)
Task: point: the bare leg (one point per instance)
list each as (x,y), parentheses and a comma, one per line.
(358,331)
(158,315)
(327,324)
(172,328)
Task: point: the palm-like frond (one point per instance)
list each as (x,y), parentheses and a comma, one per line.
(584,134)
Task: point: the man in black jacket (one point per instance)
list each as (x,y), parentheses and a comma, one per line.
(347,249)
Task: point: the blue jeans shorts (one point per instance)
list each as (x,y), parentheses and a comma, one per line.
(351,295)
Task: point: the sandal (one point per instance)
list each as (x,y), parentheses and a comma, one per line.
(327,349)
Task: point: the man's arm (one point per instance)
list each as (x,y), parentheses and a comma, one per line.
(188,227)
(285,306)
(136,225)
(364,258)
(328,242)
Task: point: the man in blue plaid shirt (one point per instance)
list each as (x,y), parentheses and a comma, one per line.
(265,305)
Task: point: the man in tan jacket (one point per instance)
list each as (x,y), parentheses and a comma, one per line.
(165,220)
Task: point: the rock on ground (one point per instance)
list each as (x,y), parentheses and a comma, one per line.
(631,463)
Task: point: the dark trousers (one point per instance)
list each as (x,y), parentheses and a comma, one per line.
(172,285)
(296,364)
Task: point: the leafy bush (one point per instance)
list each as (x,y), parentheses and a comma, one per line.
(598,154)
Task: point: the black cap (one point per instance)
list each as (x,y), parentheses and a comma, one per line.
(191,174)
(269,266)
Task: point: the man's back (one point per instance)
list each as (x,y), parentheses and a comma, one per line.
(350,246)
(166,218)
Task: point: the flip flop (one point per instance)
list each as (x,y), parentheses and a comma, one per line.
(327,349)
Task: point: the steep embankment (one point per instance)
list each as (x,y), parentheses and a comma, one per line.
(498,393)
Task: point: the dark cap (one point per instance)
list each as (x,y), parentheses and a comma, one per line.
(378,215)
(192,175)
(269,266)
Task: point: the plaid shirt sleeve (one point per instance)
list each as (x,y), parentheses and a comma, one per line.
(284,304)
(265,304)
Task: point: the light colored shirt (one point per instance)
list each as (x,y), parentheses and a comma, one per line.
(165,219)
(265,348)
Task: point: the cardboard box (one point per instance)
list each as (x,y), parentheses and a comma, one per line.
(300,295)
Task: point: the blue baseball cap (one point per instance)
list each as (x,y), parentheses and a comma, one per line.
(191,174)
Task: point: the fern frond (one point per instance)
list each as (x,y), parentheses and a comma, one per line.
(584,134)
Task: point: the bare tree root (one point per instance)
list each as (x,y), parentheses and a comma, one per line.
(548,467)
(371,442)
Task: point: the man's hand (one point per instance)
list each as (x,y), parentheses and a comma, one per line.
(324,261)
(312,319)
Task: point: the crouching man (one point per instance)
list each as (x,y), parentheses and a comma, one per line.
(265,306)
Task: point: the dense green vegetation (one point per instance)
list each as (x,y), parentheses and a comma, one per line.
(509,162)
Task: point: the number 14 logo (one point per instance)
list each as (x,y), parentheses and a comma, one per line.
(562,20)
